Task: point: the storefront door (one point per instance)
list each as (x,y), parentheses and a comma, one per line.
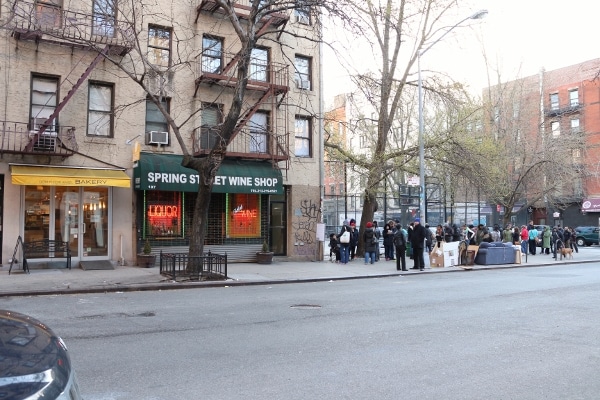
(277,230)
(95,222)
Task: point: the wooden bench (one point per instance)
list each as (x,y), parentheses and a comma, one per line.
(46,248)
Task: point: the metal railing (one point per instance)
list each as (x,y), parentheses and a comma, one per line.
(74,26)
(207,267)
(252,145)
(19,138)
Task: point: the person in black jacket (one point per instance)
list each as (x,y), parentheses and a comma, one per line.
(353,239)
(400,244)
(417,242)
(344,247)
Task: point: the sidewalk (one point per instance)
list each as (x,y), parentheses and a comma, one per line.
(133,278)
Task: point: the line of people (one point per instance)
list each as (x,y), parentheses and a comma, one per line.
(397,241)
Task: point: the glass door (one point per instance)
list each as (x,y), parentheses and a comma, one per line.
(95,222)
(66,217)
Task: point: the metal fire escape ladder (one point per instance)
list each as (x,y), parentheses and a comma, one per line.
(246,117)
(66,99)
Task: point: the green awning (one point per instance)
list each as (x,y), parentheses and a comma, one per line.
(165,172)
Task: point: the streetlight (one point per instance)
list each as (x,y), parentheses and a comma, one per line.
(478,15)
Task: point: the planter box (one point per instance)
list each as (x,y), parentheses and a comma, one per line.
(146,260)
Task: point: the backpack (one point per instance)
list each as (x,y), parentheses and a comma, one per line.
(399,239)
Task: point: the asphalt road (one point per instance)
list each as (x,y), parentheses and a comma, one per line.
(527,333)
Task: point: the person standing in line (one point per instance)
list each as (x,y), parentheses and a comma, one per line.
(574,246)
(344,247)
(388,242)
(417,242)
(428,239)
(557,241)
(378,236)
(524,239)
(546,239)
(353,239)
(371,243)
(533,238)
(507,234)
(516,236)
(400,244)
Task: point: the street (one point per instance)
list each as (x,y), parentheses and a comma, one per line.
(526,333)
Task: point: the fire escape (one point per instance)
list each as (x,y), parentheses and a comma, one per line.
(267,87)
(50,24)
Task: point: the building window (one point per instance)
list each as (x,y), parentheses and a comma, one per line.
(212,54)
(303,139)
(155,120)
(259,63)
(332,188)
(100,110)
(576,155)
(342,190)
(302,13)
(496,114)
(258,132)
(211,118)
(159,46)
(48,13)
(104,18)
(575,125)
(555,128)
(515,110)
(574,97)
(302,74)
(43,101)
(554,104)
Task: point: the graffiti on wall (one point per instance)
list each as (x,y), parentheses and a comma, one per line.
(305,227)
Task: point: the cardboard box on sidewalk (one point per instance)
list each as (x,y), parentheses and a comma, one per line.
(450,254)
(436,260)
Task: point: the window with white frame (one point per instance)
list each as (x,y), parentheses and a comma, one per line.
(212,54)
(576,155)
(159,46)
(303,139)
(574,97)
(43,101)
(302,13)
(302,73)
(575,125)
(259,65)
(555,126)
(104,17)
(100,109)
(155,120)
(258,132)
(554,104)
(516,109)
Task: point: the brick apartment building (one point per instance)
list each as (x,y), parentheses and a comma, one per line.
(563,103)
(87,158)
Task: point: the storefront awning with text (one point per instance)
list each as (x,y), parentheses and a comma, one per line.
(165,172)
(61,176)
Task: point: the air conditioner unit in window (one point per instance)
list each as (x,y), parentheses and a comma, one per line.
(36,123)
(303,85)
(157,137)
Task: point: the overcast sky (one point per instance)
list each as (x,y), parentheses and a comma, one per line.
(519,36)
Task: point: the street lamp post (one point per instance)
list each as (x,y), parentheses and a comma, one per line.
(478,15)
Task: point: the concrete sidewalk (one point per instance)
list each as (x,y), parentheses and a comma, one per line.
(133,278)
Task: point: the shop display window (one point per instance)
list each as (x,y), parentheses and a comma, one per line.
(163,214)
(244,215)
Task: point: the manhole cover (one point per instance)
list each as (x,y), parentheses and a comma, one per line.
(305,306)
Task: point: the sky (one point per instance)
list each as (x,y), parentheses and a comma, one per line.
(519,37)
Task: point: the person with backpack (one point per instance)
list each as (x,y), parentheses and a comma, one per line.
(371,243)
(400,244)
(344,239)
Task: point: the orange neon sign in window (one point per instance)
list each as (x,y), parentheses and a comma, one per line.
(244,215)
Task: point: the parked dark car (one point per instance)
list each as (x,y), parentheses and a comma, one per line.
(34,362)
(587,235)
